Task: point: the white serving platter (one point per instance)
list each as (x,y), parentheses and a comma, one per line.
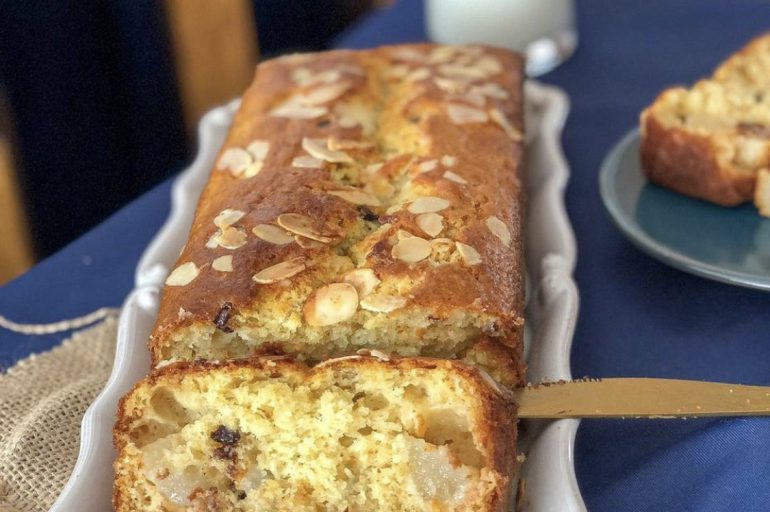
(551,313)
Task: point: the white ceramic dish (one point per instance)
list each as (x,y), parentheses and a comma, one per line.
(551,313)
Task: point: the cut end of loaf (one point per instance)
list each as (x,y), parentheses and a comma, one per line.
(352,434)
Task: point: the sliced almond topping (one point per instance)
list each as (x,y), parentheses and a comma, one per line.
(328,76)
(297,111)
(450,85)
(470,255)
(334,144)
(398,71)
(499,229)
(440,244)
(402,233)
(272,234)
(431,223)
(418,75)
(455,177)
(183,274)
(302,76)
(213,241)
(324,94)
(500,118)
(350,68)
(280,271)
(411,249)
(348,122)
(407,54)
(223,263)
(364,280)
(232,238)
(428,204)
(373,168)
(474,98)
(462,114)
(307,243)
(491,89)
(356,197)
(379,303)
(307,162)
(319,149)
(258,149)
(227,218)
(489,64)
(235,160)
(448,160)
(442,54)
(427,166)
(331,304)
(453,70)
(251,170)
(393,209)
(303,226)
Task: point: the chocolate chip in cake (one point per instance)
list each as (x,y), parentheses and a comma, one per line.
(323,123)
(222,317)
(226,436)
(367,214)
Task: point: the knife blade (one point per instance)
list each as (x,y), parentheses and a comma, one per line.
(641,398)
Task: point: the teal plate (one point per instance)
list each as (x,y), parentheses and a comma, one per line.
(731,245)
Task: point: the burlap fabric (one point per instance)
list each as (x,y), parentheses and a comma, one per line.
(42,401)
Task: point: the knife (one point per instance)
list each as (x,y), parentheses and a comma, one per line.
(640,398)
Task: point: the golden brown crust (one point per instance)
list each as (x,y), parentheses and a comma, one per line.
(412,126)
(498,430)
(687,163)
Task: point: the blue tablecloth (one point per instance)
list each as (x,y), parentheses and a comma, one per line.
(638,317)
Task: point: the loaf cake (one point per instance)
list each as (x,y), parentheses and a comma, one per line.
(362,199)
(712,141)
(355,434)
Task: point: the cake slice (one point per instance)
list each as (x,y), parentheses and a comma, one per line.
(712,141)
(358,433)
